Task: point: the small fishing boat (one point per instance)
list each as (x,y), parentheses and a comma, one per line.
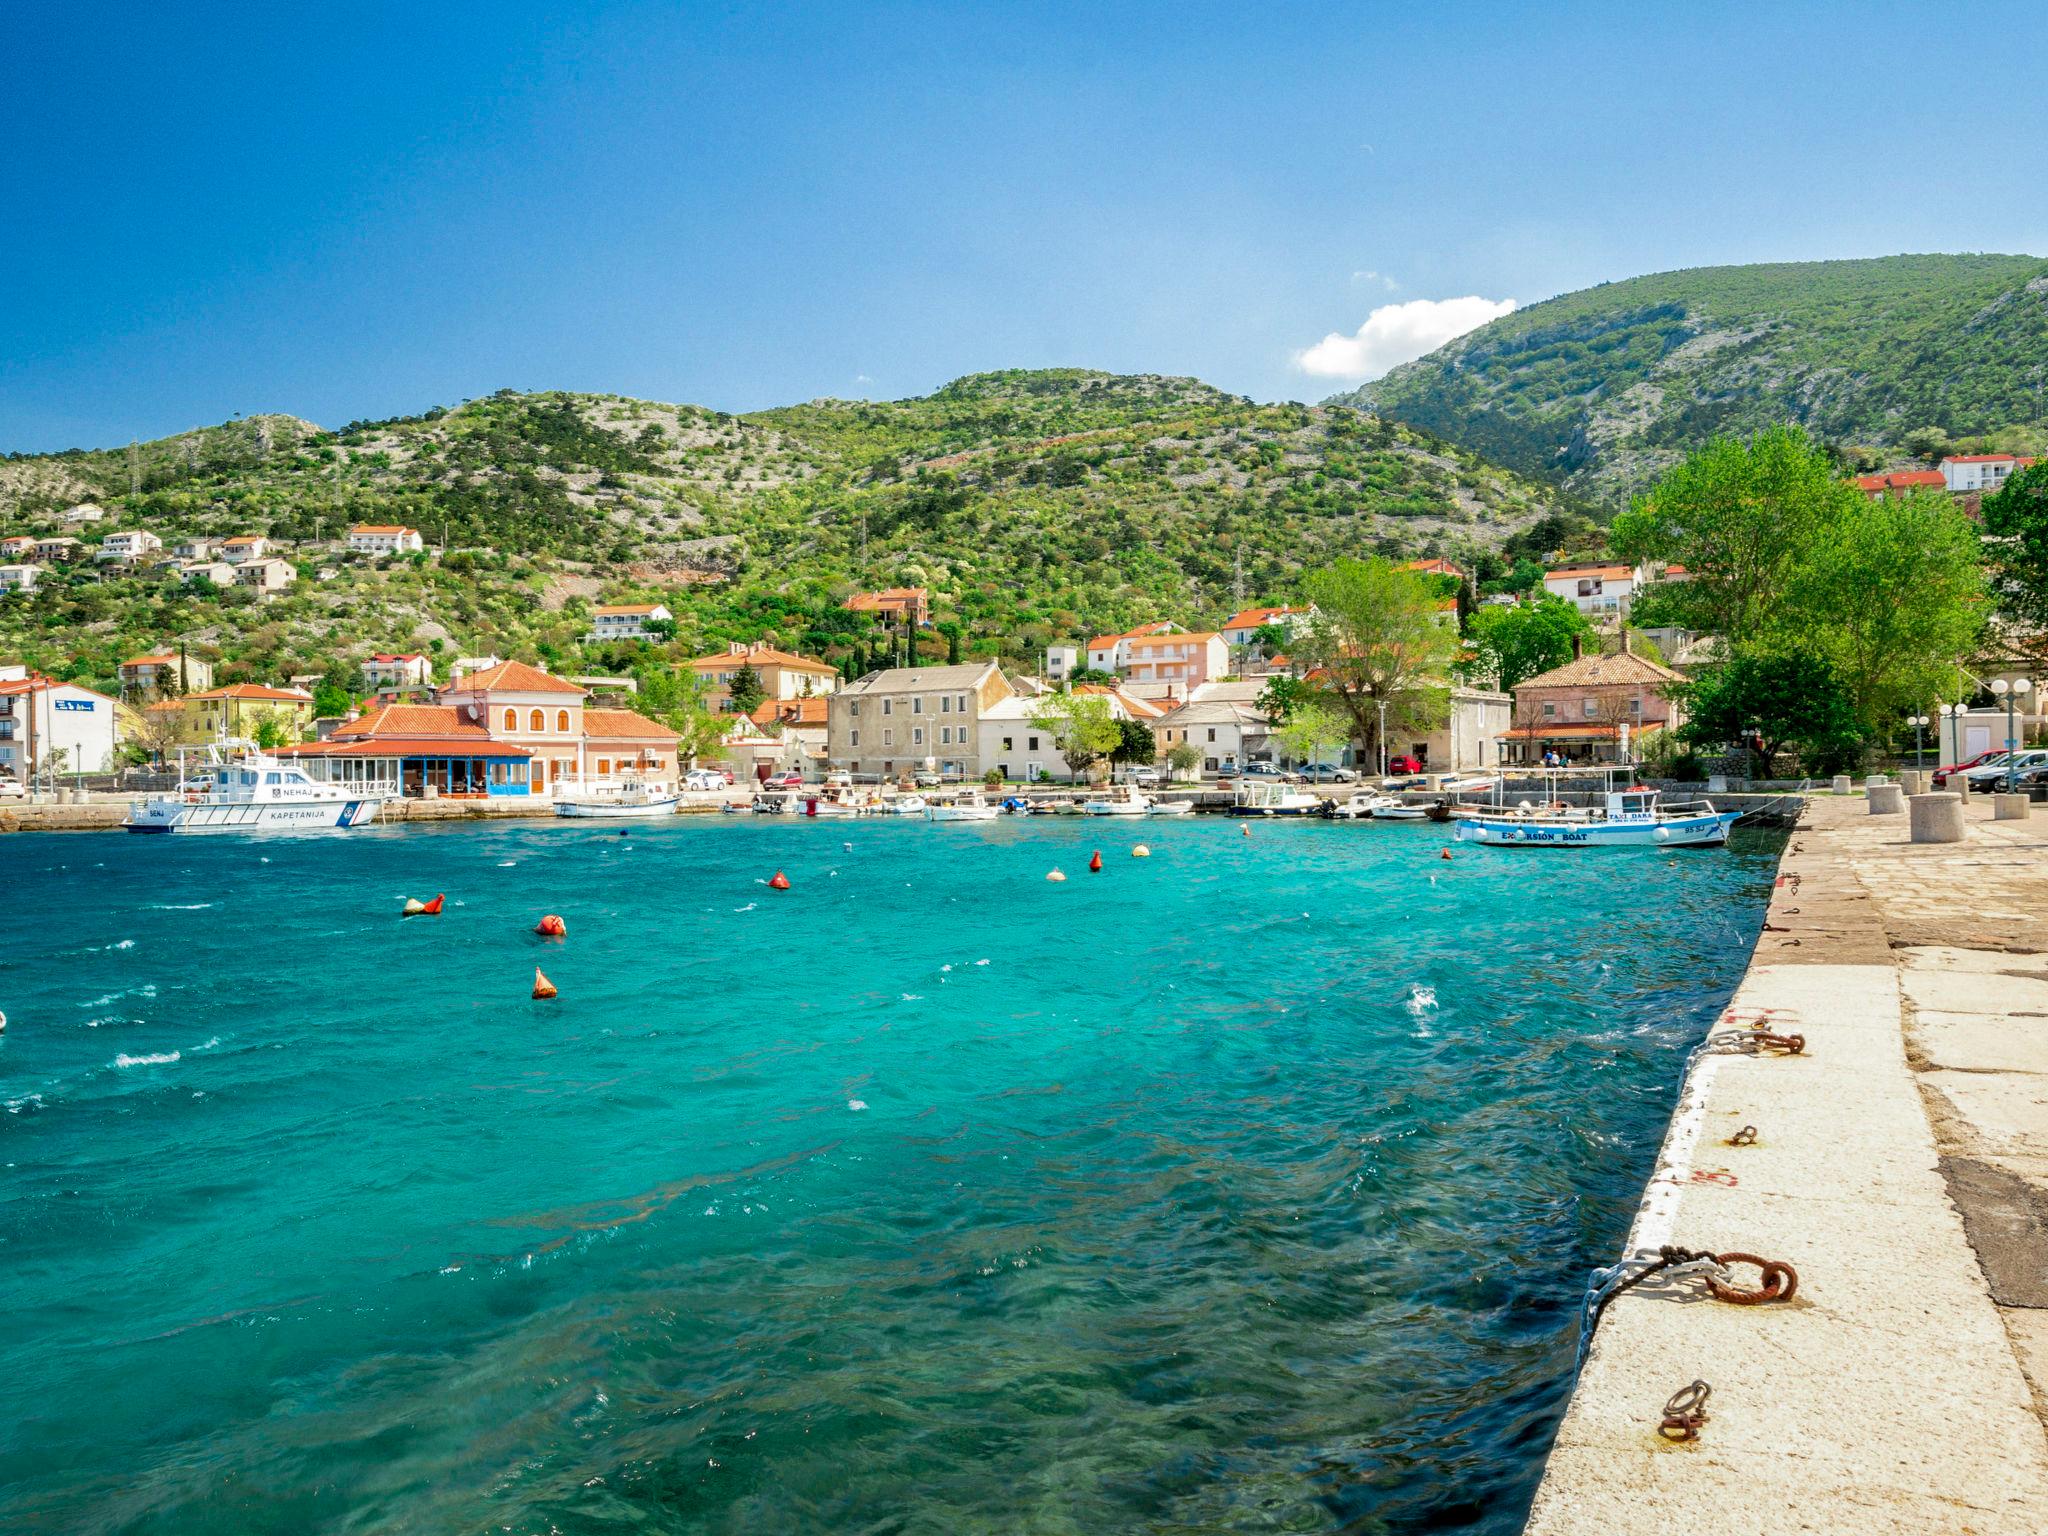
(904,805)
(775,802)
(627,799)
(1170,808)
(237,788)
(1358,807)
(1391,809)
(1265,797)
(1121,800)
(971,805)
(1631,818)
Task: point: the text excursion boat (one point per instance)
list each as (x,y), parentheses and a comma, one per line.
(1633,818)
(239,789)
(617,799)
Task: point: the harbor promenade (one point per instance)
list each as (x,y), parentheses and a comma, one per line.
(1899,1162)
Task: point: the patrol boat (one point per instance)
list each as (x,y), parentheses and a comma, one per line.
(237,788)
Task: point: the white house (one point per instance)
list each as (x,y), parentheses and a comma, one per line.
(1597,588)
(1109,653)
(1229,733)
(1980,471)
(266,575)
(408,669)
(249,546)
(1061,663)
(1019,750)
(219,572)
(385,539)
(195,548)
(19,578)
(132,545)
(85,512)
(55,550)
(627,621)
(18,546)
(47,726)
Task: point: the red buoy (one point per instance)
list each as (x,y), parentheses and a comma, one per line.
(780,882)
(1446,853)
(433,908)
(552,927)
(1095,864)
(542,987)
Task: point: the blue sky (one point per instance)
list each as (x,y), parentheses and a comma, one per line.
(364,211)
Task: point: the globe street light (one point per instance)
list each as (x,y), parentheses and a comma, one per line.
(1952,723)
(1919,724)
(2011,693)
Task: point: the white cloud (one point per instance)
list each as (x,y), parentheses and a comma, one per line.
(1397,333)
(1369,276)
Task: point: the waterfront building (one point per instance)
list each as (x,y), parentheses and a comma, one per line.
(1475,721)
(384,539)
(567,737)
(49,727)
(1229,732)
(165,672)
(627,621)
(1599,708)
(400,669)
(1010,744)
(782,675)
(241,710)
(248,546)
(910,719)
(804,725)
(1600,589)
(19,578)
(411,749)
(895,605)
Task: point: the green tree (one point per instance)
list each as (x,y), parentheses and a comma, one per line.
(1781,700)
(1137,744)
(2016,518)
(1379,641)
(1080,725)
(1894,598)
(1741,515)
(745,691)
(1521,642)
(1283,695)
(1309,729)
(1183,758)
(675,697)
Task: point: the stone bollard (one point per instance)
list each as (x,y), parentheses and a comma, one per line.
(1841,784)
(1913,782)
(1875,781)
(1958,786)
(1887,800)
(1937,818)
(2011,807)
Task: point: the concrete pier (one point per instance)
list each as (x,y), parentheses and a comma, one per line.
(1900,1164)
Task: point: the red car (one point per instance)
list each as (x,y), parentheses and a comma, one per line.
(1979,761)
(1404,764)
(790,780)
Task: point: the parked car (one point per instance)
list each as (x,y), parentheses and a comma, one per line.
(1404,763)
(1270,771)
(1981,760)
(1328,773)
(2034,781)
(791,778)
(1143,775)
(705,778)
(1992,775)
(10,789)
(928,780)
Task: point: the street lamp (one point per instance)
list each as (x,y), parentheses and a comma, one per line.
(1919,724)
(1383,738)
(1952,723)
(2011,693)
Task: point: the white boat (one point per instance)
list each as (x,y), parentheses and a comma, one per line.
(835,800)
(971,805)
(616,800)
(1170,808)
(239,789)
(1398,810)
(1273,797)
(1358,807)
(1122,800)
(905,805)
(1631,818)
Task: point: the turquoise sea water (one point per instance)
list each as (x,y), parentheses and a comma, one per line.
(1248,1187)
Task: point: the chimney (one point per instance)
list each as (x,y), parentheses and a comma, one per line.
(1578,648)
(1628,644)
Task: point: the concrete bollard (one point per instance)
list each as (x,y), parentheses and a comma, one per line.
(1875,781)
(1841,784)
(1887,800)
(2011,807)
(1936,818)
(1958,786)
(1913,781)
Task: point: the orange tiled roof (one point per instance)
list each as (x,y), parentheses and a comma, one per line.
(623,608)
(382,528)
(810,711)
(1198,636)
(1900,480)
(766,655)
(1256,618)
(513,677)
(412,720)
(1570,572)
(149,661)
(256,691)
(624,725)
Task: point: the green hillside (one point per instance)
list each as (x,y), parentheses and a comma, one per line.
(1601,389)
(1038,506)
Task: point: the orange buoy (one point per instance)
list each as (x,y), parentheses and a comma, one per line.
(1095,863)
(417,908)
(542,987)
(552,927)
(433,908)
(780,882)
(1445,854)
(1246,830)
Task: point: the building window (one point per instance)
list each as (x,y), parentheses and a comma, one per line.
(945,703)
(1009,745)
(853,709)
(562,721)
(1549,709)
(511,719)
(888,736)
(963,704)
(1635,707)
(1592,707)
(853,739)
(885,705)
(917,735)
(537,721)
(917,706)
(1034,743)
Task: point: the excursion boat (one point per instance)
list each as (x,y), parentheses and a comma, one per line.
(1631,818)
(970,805)
(1264,797)
(236,788)
(1122,800)
(616,800)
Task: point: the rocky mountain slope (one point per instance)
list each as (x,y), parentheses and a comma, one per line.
(1600,390)
(1037,505)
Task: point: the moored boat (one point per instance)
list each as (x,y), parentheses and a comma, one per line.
(1631,818)
(1266,797)
(969,805)
(1120,800)
(240,789)
(629,799)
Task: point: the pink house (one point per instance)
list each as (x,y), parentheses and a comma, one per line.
(1592,709)
(1182,659)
